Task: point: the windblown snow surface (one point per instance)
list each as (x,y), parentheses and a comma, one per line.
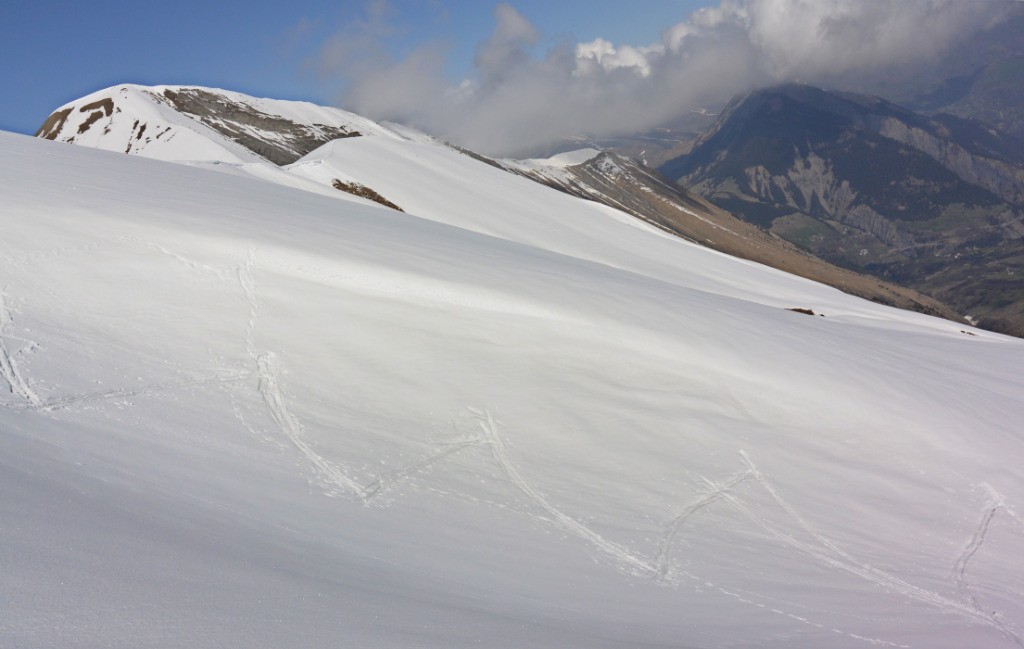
(240,414)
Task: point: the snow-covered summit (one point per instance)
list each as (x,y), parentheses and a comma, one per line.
(189,123)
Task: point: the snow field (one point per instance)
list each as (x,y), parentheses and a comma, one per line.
(240,413)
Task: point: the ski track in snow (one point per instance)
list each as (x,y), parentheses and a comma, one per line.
(220,273)
(68,401)
(803,620)
(9,365)
(1001,501)
(269,386)
(386,480)
(996,503)
(334,476)
(625,560)
(671,528)
(19,385)
(973,545)
(831,555)
(620,554)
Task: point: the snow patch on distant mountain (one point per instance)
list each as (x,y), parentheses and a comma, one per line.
(560,161)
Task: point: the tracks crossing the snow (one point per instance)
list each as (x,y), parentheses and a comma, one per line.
(795,532)
(9,370)
(996,504)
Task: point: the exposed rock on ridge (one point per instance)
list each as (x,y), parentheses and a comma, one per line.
(275,138)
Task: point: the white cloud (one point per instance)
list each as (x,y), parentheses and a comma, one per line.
(827,38)
(602,53)
(517,101)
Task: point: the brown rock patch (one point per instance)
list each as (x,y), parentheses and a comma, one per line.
(364,192)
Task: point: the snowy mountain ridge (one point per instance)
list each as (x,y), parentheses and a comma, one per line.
(239,411)
(274,134)
(208,124)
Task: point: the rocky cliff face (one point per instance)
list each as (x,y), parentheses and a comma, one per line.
(930,202)
(1003,176)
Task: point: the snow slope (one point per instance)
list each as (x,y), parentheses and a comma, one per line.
(438,182)
(240,414)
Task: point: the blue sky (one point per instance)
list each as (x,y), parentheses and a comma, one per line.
(52,52)
(534,74)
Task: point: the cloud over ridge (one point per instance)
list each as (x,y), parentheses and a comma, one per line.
(517,100)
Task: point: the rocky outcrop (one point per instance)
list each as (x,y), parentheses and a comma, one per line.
(811,187)
(867,220)
(51,128)
(275,138)
(357,189)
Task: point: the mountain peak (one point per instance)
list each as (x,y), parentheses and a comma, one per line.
(202,124)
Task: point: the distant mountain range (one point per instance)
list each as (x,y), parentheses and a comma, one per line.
(930,202)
